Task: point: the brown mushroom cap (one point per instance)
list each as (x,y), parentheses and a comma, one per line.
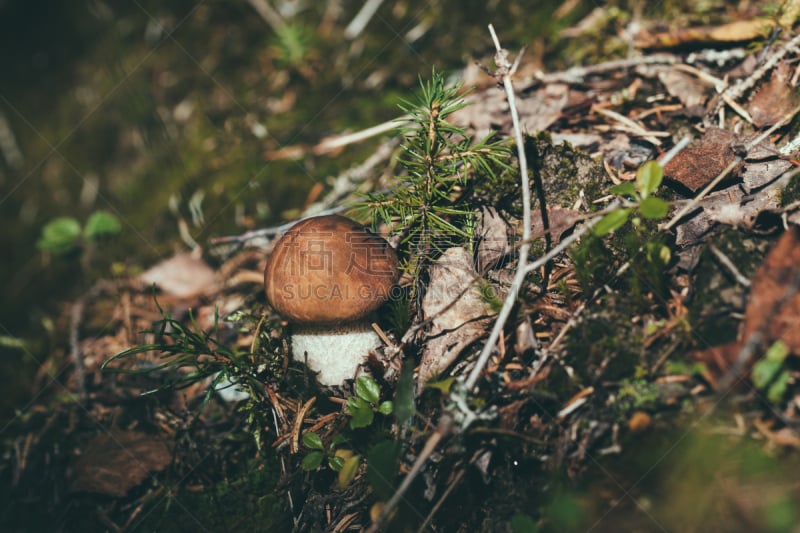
(329,269)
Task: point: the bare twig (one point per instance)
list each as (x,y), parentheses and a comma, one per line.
(270,16)
(577,234)
(266,233)
(430,445)
(506,71)
(450,487)
(728,264)
(76,354)
(666,158)
(578,74)
(331,143)
(334,142)
(632,126)
(361,19)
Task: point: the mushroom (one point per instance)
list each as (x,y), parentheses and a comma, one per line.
(326,276)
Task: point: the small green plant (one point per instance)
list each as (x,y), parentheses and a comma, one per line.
(191,355)
(336,456)
(597,258)
(639,200)
(362,409)
(63,235)
(770,374)
(294,42)
(363,406)
(428,207)
(341,460)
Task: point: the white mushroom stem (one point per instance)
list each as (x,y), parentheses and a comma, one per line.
(334,351)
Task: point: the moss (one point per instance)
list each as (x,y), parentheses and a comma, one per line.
(791,193)
(566,174)
(600,41)
(606,345)
(597,261)
(247,501)
(638,394)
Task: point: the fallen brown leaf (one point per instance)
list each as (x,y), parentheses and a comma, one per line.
(492,234)
(768,308)
(775,98)
(183,275)
(704,158)
(560,220)
(457,311)
(112,463)
(686,88)
(737,31)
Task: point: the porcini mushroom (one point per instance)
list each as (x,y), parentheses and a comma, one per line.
(326,276)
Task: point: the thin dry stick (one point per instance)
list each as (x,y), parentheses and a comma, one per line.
(505,68)
(337,141)
(76,354)
(268,13)
(416,468)
(577,234)
(361,20)
(578,74)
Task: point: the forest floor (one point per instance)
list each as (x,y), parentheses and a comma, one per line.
(642,373)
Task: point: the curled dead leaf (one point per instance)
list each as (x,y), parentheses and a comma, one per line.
(775,98)
(183,275)
(559,219)
(457,311)
(492,235)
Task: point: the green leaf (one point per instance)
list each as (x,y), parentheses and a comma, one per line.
(612,221)
(367,389)
(337,440)
(385,408)
(335,463)
(60,235)
(101,224)
(777,352)
(648,178)
(654,208)
(768,368)
(348,471)
(442,384)
(383,465)
(312,440)
(404,393)
(312,461)
(623,189)
(778,388)
(361,413)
